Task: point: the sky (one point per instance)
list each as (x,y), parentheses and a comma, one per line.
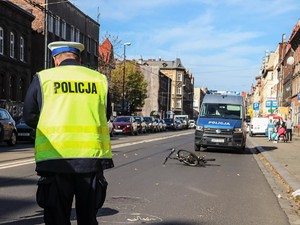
(221,42)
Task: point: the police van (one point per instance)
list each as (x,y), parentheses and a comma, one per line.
(221,122)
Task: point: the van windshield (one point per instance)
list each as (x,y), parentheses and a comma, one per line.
(216,110)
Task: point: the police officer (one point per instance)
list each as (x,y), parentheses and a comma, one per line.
(69,107)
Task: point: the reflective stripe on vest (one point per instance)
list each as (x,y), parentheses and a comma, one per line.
(72,122)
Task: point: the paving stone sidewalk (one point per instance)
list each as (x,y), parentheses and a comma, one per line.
(284,157)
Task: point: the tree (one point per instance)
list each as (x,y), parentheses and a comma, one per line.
(135,91)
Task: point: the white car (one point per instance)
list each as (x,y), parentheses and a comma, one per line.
(191,124)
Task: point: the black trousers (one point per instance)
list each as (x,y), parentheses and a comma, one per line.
(55,195)
(289,134)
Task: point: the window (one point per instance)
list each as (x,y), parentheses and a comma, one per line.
(1,41)
(12,45)
(2,86)
(57,26)
(72,33)
(12,88)
(22,88)
(3,115)
(77,35)
(88,45)
(63,29)
(96,48)
(179,77)
(218,110)
(179,90)
(50,24)
(178,103)
(22,49)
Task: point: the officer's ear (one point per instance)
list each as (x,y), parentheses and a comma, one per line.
(56,61)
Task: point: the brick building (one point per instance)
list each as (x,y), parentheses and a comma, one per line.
(15,56)
(30,26)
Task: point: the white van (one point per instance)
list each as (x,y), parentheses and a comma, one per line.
(258,125)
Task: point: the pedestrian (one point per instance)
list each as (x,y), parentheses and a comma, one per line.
(69,106)
(281,131)
(289,128)
(280,122)
(270,129)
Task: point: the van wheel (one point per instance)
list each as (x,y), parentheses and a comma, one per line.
(242,149)
(13,139)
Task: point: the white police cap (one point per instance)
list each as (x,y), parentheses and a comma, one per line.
(58,47)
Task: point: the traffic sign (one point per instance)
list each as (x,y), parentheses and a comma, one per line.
(256,106)
(273,104)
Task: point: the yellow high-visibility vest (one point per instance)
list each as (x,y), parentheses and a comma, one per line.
(73,121)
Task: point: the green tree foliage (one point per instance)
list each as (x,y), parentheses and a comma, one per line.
(135,86)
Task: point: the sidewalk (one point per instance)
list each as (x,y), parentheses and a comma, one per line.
(284,157)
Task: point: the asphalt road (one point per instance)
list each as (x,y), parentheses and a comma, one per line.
(233,190)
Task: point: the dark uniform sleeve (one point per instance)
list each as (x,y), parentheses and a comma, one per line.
(32,103)
(108,107)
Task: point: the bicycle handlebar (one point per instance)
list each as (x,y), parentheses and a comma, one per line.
(166,159)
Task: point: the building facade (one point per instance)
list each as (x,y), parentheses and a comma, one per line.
(279,80)
(169,82)
(15,56)
(26,29)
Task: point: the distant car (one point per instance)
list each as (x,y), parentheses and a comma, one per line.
(141,124)
(159,124)
(25,132)
(191,124)
(8,130)
(179,124)
(125,125)
(170,124)
(164,125)
(151,124)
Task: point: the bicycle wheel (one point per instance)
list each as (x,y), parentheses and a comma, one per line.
(187,157)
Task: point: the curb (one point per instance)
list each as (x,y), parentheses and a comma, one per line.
(290,180)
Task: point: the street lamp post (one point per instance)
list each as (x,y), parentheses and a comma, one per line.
(168,96)
(123,91)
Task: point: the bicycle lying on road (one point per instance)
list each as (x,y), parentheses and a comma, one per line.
(188,158)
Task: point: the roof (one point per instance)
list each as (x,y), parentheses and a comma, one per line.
(175,64)
(106,50)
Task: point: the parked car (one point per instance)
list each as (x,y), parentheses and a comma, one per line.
(164,125)
(141,124)
(25,132)
(151,125)
(179,124)
(170,124)
(125,125)
(191,124)
(159,124)
(8,130)
(174,124)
